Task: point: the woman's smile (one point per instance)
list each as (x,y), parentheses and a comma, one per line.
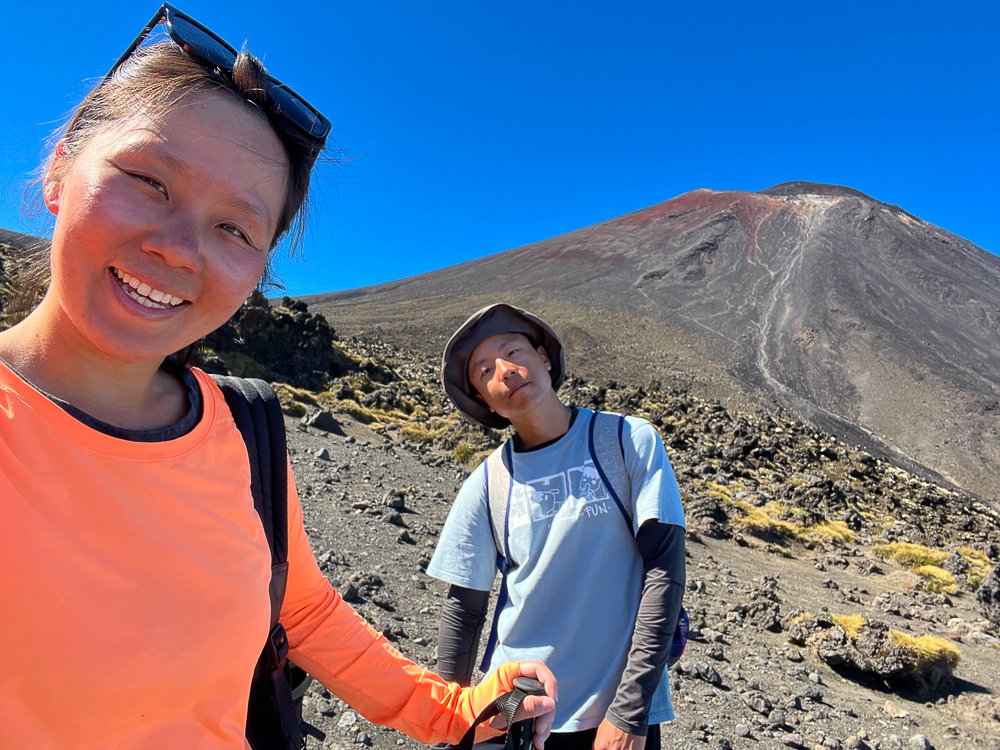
(144,294)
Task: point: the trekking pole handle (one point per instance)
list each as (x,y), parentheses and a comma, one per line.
(529,685)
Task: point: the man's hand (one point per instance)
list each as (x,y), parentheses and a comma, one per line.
(541,708)
(610,737)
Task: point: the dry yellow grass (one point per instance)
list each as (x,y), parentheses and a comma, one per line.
(765,521)
(464,453)
(834,531)
(419,433)
(979,566)
(927,649)
(937,580)
(910,555)
(851,624)
(295,402)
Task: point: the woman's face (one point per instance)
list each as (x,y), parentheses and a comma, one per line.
(163,227)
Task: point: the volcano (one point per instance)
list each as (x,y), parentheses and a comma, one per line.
(849,312)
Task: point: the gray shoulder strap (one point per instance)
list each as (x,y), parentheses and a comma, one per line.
(607,449)
(498,479)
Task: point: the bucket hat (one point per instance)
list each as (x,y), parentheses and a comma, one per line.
(491,320)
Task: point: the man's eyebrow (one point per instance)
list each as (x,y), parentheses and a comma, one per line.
(500,345)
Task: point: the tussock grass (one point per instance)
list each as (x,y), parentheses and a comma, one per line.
(851,624)
(935,579)
(353,409)
(766,521)
(928,651)
(833,531)
(421,434)
(295,402)
(910,555)
(464,454)
(979,566)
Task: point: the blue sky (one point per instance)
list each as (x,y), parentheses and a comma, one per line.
(477,127)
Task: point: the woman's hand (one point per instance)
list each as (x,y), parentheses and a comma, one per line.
(610,737)
(541,708)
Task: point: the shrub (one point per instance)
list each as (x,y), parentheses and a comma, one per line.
(464,453)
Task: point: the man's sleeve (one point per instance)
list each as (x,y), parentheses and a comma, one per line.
(462,617)
(659,526)
(662,549)
(466,552)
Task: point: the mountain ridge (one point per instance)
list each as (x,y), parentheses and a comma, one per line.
(849,311)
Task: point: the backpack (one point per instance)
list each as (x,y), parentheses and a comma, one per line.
(274,713)
(607,451)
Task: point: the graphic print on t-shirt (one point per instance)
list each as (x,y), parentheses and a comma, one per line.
(568,493)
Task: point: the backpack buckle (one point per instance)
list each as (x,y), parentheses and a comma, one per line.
(276,649)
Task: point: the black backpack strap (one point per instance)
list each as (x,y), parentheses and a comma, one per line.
(273,719)
(257,413)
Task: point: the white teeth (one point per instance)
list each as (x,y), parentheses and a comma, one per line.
(146,295)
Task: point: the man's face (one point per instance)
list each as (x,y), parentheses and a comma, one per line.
(510,375)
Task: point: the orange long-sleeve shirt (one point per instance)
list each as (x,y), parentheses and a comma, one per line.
(133,597)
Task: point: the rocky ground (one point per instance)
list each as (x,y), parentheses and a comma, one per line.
(374,508)
(836,601)
(816,573)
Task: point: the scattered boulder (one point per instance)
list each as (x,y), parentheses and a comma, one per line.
(870,647)
(989,599)
(324,420)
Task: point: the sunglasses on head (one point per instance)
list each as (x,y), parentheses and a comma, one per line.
(209,48)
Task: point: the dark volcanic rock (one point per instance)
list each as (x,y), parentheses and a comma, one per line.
(989,598)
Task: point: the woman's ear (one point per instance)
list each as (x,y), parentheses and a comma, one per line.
(52,185)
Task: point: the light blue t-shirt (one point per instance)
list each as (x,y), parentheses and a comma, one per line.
(574,593)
